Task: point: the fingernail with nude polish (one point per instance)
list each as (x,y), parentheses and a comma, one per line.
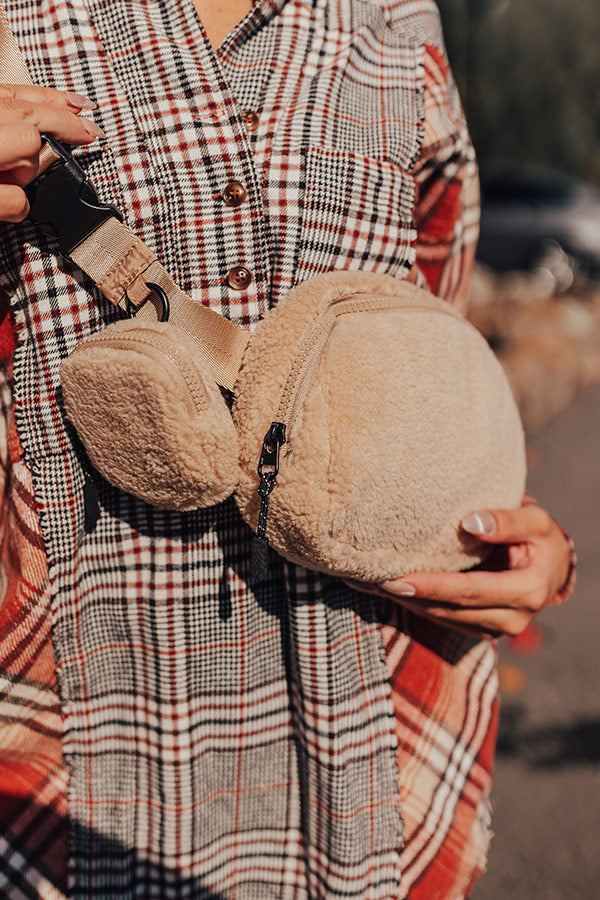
(79,101)
(93,129)
(400,588)
(479,523)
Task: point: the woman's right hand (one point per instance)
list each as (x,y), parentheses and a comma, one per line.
(26,111)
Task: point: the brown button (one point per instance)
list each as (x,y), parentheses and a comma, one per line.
(250,119)
(239,277)
(234,194)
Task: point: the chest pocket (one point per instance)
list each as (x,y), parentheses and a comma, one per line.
(357,214)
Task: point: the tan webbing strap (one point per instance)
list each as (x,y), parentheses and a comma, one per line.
(12,65)
(47,157)
(114,258)
(120,264)
(221,343)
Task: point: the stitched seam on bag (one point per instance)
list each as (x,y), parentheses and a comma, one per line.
(175,359)
(121,273)
(316,337)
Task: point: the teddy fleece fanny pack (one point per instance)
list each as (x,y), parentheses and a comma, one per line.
(368,416)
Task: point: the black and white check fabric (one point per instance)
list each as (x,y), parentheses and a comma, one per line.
(223,741)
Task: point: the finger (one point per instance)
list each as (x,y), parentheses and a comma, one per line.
(22,173)
(471,631)
(512,588)
(45,96)
(508,526)
(62,123)
(487,623)
(14,205)
(19,151)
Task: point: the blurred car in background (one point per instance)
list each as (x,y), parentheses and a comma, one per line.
(532,218)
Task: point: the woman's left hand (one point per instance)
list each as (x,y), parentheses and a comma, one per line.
(524,571)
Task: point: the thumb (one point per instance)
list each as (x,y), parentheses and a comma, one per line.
(506,526)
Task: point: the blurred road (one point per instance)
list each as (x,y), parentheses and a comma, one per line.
(546,798)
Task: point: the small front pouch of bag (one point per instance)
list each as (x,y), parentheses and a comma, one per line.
(153,421)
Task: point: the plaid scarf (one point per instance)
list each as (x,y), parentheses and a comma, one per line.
(164,727)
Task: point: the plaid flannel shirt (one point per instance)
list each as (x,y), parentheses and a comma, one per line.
(166,731)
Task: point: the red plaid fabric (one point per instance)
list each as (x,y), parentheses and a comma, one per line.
(33,777)
(291,741)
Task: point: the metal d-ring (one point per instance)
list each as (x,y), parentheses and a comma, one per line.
(164,300)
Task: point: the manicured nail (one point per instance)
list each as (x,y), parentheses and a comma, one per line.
(79,101)
(400,588)
(93,129)
(479,523)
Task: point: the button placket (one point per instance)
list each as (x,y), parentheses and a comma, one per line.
(247,270)
(239,276)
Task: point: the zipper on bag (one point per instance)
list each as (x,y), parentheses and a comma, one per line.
(176,363)
(297,384)
(268,469)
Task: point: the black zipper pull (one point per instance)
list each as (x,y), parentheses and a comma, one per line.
(268,469)
(91,506)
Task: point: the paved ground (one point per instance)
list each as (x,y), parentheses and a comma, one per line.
(547,790)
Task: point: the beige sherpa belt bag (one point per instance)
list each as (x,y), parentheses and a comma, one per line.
(368,416)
